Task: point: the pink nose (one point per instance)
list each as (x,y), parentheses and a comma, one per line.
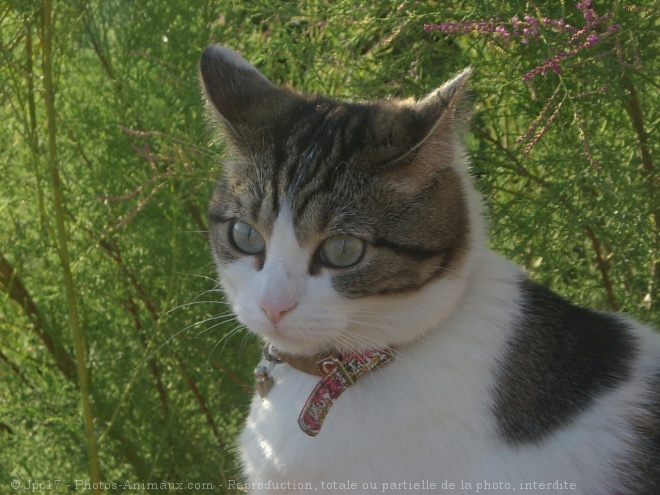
(275,310)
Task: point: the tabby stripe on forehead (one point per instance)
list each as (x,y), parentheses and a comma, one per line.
(256,208)
(353,134)
(282,154)
(318,124)
(275,195)
(303,166)
(306,169)
(326,184)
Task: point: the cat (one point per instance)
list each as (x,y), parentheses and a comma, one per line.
(349,236)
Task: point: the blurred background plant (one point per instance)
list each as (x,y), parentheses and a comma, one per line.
(118,358)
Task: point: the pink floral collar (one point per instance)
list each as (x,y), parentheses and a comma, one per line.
(337,372)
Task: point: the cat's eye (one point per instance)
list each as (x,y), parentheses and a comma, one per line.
(246,238)
(342,251)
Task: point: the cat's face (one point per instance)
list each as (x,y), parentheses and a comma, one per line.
(336,225)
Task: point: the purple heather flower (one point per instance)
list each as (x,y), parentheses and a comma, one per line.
(527,30)
(502,30)
(589,15)
(593,39)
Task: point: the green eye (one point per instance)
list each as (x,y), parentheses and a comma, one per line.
(245,238)
(342,251)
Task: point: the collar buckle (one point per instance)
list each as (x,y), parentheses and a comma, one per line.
(331,364)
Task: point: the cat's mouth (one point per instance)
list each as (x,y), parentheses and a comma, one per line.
(294,340)
(295,333)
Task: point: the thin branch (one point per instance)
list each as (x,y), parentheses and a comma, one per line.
(634,109)
(12,284)
(152,362)
(193,208)
(75,141)
(33,129)
(603,267)
(15,369)
(202,403)
(62,236)
(232,376)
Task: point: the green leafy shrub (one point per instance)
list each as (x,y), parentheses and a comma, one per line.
(118,174)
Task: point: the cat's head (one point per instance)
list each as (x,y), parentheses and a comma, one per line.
(336,224)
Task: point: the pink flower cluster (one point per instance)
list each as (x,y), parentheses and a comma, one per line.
(526,29)
(595,30)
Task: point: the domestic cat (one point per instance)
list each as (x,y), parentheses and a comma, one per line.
(348,236)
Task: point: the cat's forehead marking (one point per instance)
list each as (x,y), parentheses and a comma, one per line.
(311,156)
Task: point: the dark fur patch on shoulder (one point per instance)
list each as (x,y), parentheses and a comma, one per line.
(560,358)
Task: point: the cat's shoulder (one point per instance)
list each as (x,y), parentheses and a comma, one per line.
(564,366)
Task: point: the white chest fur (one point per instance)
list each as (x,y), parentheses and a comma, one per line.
(424,419)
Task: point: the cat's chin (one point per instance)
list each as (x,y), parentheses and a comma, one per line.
(296,343)
(297,347)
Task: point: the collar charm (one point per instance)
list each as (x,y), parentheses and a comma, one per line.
(338,372)
(262,377)
(263,380)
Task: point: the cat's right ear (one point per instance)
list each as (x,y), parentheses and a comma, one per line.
(235,89)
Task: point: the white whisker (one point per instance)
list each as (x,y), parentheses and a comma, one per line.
(225,338)
(224,319)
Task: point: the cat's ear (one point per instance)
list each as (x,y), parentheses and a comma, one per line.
(444,109)
(437,120)
(237,92)
(448,96)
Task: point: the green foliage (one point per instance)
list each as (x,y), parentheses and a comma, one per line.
(575,200)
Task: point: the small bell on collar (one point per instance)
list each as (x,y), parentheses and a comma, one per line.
(263,380)
(262,377)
